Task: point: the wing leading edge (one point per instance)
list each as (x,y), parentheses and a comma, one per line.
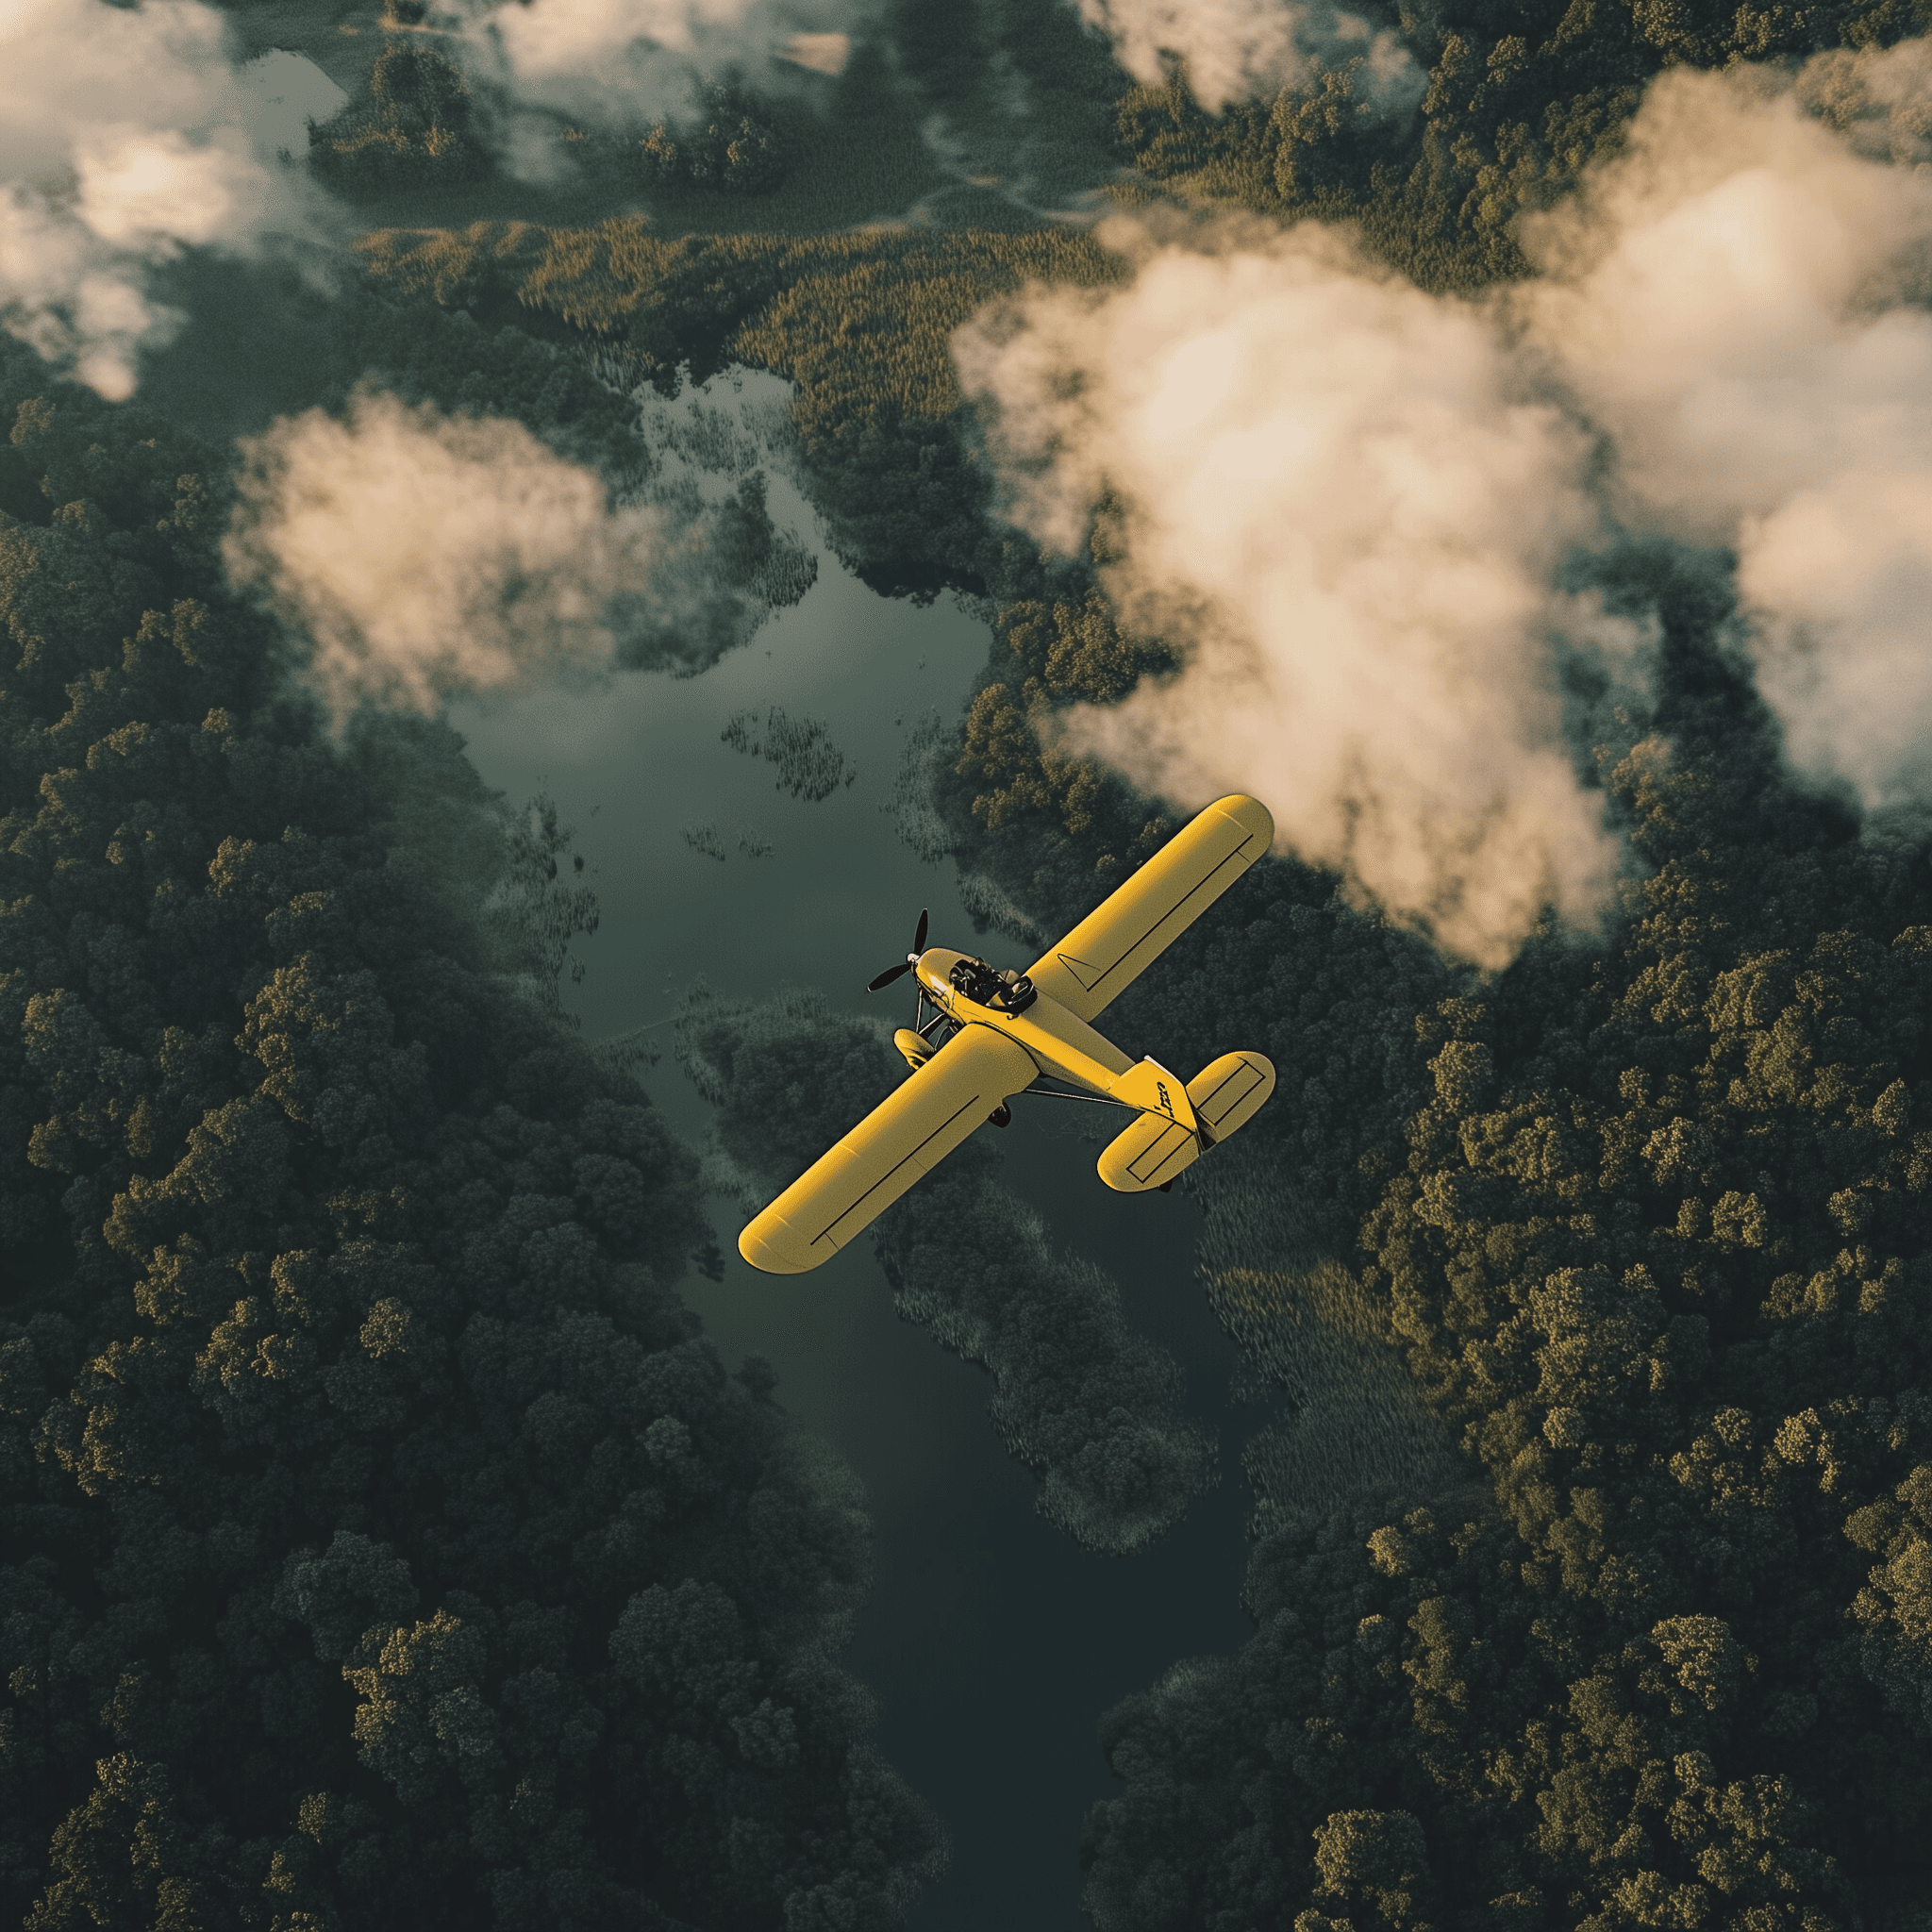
(903,1138)
(1126,932)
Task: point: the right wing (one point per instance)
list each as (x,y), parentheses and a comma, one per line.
(1125,934)
(905,1136)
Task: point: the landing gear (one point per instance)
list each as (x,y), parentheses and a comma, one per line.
(1166,1187)
(1002,1116)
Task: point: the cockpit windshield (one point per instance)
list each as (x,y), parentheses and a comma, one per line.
(985,986)
(976,979)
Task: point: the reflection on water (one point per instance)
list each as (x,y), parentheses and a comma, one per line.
(281,93)
(993,1642)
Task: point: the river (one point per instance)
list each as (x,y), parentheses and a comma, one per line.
(992,1642)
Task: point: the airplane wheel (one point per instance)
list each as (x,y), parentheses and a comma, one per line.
(1166,1186)
(1002,1115)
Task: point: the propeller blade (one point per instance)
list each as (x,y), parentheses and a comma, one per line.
(919,937)
(891,974)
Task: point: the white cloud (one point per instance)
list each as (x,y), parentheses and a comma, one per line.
(427,553)
(552,39)
(821,53)
(1238,50)
(1353,503)
(1738,302)
(621,61)
(124,135)
(1840,581)
(1343,498)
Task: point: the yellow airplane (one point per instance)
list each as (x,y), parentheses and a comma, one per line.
(995,1035)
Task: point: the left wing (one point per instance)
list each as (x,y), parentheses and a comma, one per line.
(1125,934)
(905,1136)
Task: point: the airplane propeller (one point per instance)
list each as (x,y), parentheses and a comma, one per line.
(907,963)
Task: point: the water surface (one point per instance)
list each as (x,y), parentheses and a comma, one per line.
(994,1643)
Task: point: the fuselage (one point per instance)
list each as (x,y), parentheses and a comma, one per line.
(1061,1043)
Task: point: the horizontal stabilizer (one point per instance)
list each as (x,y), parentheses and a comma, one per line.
(1229,1092)
(1148,1155)
(1164,1142)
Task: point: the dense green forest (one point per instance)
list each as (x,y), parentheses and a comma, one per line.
(1647,1228)
(384,1542)
(861,322)
(1519,101)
